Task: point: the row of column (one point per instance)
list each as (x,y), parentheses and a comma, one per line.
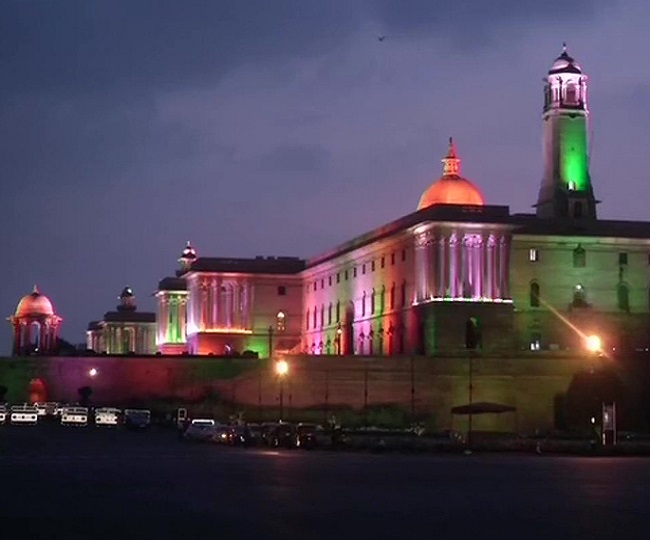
(216,303)
(172,318)
(462,265)
(35,336)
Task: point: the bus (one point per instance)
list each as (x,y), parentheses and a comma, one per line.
(107,416)
(74,416)
(24,414)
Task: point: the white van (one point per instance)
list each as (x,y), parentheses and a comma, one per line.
(107,416)
(24,414)
(74,416)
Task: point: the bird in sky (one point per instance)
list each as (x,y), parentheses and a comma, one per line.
(381,38)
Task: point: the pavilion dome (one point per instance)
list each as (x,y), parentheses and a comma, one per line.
(34,303)
(451,188)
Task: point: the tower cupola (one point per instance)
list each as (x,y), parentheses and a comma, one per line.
(127,300)
(188,257)
(566,190)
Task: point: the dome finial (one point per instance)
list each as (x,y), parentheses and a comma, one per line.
(35,290)
(564,46)
(451,161)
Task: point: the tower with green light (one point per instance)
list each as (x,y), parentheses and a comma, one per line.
(566,191)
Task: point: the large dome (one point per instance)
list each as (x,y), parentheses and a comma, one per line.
(451,188)
(34,303)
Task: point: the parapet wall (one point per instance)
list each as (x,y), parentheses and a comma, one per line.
(426,386)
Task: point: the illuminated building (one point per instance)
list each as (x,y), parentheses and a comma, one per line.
(532,281)
(124,331)
(35,325)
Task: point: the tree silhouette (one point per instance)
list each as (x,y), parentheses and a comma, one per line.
(84,395)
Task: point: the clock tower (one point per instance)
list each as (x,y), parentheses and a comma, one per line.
(566,191)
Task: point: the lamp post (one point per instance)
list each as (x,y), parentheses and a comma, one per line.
(281,368)
(339,333)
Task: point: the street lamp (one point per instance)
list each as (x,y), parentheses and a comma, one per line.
(594,344)
(92,372)
(339,332)
(281,368)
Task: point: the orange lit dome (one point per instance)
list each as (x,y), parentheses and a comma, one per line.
(34,303)
(451,188)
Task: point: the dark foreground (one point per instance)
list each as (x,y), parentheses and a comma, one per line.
(93,483)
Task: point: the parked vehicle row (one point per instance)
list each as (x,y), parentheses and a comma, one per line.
(73,415)
(272,435)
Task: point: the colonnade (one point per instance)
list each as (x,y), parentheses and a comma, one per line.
(217,303)
(462,265)
(172,317)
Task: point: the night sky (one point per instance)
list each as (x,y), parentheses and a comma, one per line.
(281,128)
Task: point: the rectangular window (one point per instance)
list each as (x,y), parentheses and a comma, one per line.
(338,277)
(338,311)
(392,297)
(322,283)
(363,269)
(533,255)
(322,316)
(372,266)
(383,262)
(622,259)
(403,255)
(329,281)
(392,259)
(315,285)
(372,303)
(307,320)
(282,290)
(354,272)
(315,319)
(346,275)
(403,295)
(329,314)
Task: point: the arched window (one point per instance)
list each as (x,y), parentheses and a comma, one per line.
(623,297)
(329,314)
(363,305)
(280,320)
(579,257)
(534,294)
(382,299)
(372,302)
(579,296)
(571,94)
(307,320)
(392,296)
(338,311)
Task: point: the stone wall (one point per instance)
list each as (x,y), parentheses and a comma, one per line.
(429,387)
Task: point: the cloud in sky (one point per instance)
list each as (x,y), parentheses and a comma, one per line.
(279,127)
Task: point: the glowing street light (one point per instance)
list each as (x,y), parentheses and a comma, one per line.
(92,372)
(281,368)
(594,344)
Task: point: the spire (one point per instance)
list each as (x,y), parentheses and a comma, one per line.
(35,290)
(451,161)
(564,47)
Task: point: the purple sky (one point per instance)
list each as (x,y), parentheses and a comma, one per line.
(281,128)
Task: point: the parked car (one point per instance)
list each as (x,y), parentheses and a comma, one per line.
(107,416)
(137,419)
(284,435)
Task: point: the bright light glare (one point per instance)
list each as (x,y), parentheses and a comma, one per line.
(594,343)
(281,367)
(92,372)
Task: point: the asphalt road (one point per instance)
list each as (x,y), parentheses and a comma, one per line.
(97,483)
